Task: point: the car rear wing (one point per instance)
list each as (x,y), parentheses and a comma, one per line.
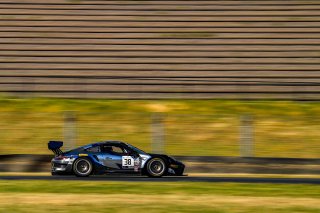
(55,146)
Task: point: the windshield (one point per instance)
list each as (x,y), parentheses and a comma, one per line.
(135,149)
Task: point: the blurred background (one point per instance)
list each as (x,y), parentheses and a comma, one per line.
(204,79)
(180,132)
(229,87)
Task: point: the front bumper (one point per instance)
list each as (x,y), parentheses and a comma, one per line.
(176,169)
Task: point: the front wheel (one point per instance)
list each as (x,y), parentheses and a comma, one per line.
(82,167)
(156,167)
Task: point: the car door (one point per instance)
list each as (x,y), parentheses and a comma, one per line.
(116,157)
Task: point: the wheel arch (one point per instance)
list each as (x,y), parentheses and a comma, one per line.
(166,161)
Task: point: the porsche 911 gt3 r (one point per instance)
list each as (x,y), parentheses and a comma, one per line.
(111,157)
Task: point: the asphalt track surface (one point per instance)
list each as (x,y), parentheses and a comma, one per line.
(170,179)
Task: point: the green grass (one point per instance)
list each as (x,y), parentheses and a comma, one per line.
(85,196)
(192,127)
(151,188)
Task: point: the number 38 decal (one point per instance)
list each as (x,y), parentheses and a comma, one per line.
(127,161)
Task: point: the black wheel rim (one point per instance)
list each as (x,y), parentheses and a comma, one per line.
(156,167)
(83,167)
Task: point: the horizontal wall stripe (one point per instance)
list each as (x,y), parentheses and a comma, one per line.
(243,49)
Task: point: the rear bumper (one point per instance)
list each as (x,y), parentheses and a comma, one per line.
(61,167)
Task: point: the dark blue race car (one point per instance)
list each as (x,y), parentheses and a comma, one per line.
(111,157)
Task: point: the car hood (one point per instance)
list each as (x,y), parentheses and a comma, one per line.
(169,158)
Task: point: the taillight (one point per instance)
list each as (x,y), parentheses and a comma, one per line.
(61,157)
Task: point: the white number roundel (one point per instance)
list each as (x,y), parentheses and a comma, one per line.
(127,161)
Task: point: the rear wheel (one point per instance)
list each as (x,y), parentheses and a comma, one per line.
(156,167)
(82,167)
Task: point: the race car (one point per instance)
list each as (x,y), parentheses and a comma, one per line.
(111,157)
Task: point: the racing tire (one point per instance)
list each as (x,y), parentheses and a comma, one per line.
(82,167)
(156,167)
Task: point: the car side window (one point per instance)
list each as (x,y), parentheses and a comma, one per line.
(112,149)
(107,149)
(94,149)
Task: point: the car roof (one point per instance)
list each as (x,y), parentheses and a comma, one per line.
(107,142)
